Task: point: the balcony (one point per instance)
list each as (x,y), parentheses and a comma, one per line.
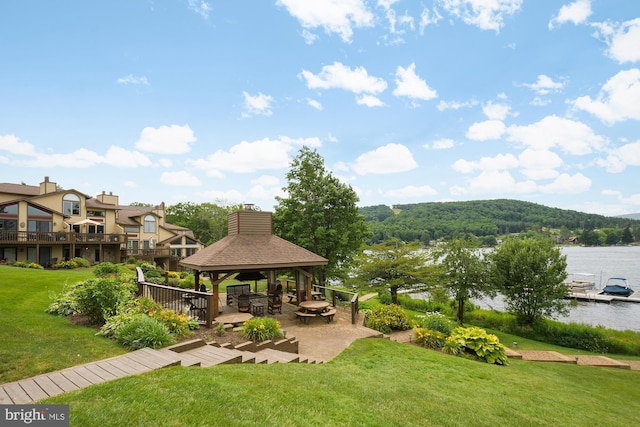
(58,238)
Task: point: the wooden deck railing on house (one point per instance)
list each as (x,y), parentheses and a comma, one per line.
(58,237)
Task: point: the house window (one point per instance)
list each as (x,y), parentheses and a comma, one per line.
(96,214)
(71,204)
(131,229)
(149,224)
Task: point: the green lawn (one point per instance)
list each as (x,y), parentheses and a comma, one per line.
(374,382)
(34,342)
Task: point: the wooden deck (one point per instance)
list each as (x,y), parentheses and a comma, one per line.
(191,353)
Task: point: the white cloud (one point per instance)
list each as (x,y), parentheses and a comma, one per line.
(180,179)
(441,144)
(14,145)
(81,158)
(568,135)
(567,184)
(576,12)
(489,129)
(411,191)
(315,104)
(494,182)
(484,14)
(172,139)
(369,101)
(539,164)
(429,17)
(257,105)
(245,157)
(496,111)
(339,76)
(622,39)
(123,158)
(455,105)
(545,85)
(409,84)
(334,16)
(200,7)
(390,158)
(499,162)
(621,157)
(618,100)
(132,80)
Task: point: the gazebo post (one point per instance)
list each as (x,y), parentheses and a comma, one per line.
(196,275)
(215,289)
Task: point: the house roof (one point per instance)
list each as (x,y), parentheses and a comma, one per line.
(252,252)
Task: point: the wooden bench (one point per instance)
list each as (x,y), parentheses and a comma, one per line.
(304,317)
(329,314)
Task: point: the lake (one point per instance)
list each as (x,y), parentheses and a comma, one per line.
(604,262)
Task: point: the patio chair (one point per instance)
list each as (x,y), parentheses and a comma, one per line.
(244,303)
(275,304)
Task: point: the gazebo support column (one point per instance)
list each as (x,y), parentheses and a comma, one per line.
(196,275)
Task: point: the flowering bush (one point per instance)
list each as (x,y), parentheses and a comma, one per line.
(429,338)
(436,322)
(385,318)
(262,329)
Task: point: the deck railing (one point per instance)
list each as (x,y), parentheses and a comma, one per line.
(188,301)
(58,237)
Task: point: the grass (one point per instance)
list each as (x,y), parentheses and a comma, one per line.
(34,342)
(374,383)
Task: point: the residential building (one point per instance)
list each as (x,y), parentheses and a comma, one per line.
(46,224)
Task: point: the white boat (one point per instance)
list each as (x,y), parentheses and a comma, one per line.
(581,282)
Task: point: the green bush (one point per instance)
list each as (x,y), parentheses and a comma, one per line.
(99,298)
(73,263)
(25,264)
(478,343)
(131,260)
(385,318)
(144,331)
(105,269)
(436,322)
(66,302)
(262,329)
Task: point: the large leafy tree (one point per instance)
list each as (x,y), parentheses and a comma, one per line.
(208,221)
(319,213)
(530,274)
(393,266)
(464,272)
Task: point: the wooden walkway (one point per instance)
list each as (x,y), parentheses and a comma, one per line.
(192,353)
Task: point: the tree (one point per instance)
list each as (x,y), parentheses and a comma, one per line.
(208,221)
(319,213)
(392,265)
(627,237)
(464,272)
(530,274)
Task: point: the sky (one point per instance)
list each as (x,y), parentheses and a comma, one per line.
(208,101)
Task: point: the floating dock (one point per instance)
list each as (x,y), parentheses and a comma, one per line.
(596,295)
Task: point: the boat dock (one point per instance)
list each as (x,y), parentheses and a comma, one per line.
(597,296)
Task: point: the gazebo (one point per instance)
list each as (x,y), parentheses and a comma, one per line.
(250,246)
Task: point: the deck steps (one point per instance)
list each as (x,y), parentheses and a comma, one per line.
(54,383)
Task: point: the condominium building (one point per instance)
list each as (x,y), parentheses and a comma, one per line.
(46,224)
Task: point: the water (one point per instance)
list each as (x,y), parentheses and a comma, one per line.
(604,262)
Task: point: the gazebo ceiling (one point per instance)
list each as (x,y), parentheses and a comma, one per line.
(239,252)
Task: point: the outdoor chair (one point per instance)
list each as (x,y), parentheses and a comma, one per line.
(275,304)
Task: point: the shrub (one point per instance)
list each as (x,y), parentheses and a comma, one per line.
(99,298)
(429,338)
(478,343)
(26,264)
(105,269)
(131,260)
(143,331)
(73,263)
(436,322)
(262,329)
(385,318)
(66,302)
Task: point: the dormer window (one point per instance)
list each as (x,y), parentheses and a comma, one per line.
(149,224)
(71,204)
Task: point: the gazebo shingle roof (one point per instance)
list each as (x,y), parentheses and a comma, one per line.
(252,252)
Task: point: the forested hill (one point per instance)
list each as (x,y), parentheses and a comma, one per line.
(430,221)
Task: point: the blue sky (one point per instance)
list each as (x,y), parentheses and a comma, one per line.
(406,101)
